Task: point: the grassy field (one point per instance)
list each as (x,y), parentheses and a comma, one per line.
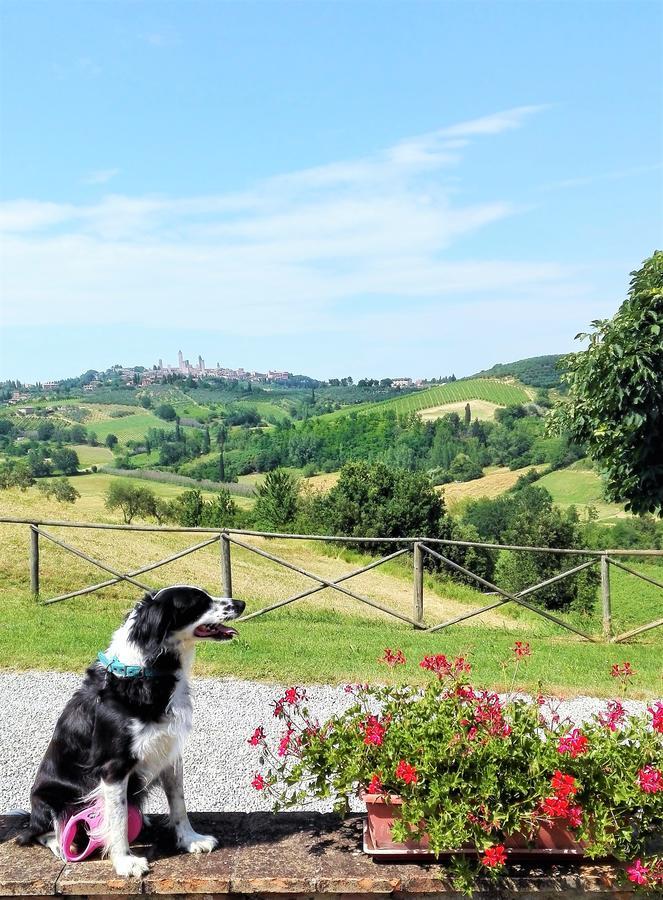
(491,390)
(93,456)
(326,638)
(580,486)
(495,481)
(127,428)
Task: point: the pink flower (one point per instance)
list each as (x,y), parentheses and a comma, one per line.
(614,715)
(258,783)
(406,772)
(574,743)
(494,857)
(284,744)
(521,649)
(257,737)
(657,716)
(393,658)
(650,780)
(638,873)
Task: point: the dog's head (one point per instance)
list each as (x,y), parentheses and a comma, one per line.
(179,614)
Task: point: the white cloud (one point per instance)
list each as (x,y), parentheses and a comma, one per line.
(305,252)
(101,176)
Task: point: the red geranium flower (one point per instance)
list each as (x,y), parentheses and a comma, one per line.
(406,772)
(293,695)
(521,649)
(563,785)
(621,671)
(393,657)
(442,667)
(257,737)
(494,856)
(657,716)
(375,785)
(638,873)
(574,743)
(374,732)
(650,780)
(258,783)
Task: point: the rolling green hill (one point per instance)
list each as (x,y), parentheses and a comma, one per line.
(491,390)
(539,371)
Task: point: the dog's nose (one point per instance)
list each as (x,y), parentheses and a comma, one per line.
(240,606)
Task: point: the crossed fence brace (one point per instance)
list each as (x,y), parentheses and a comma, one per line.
(227,537)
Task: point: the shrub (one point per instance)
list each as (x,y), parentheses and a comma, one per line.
(132,501)
(166,412)
(61,489)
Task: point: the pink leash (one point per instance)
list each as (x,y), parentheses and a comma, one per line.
(91,820)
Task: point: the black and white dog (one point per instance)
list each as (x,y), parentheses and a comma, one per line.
(124,729)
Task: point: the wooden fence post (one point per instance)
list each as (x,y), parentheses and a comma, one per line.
(605,598)
(226,570)
(418,566)
(34,560)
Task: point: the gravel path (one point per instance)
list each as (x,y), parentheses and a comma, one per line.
(218,763)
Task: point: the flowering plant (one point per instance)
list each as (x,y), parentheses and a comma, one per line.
(472,769)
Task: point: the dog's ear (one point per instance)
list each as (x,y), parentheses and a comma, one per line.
(152,621)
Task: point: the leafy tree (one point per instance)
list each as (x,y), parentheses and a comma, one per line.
(61,489)
(146,401)
(189,508)
(45,430)
(615,400)
(78,434)
(66,460)
(464,469)
(92,438)
(15,474)
(221,511)
(38,463)
(277,500)
(111,441)
(166,412)
(376,500)
(132,500)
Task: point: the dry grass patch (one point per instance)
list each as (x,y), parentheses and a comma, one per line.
(480,409)
(495,481)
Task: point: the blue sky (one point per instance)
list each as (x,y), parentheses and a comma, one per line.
(365,188)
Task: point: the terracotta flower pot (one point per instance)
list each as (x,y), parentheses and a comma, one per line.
(382,810)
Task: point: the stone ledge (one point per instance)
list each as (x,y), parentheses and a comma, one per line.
(289,855)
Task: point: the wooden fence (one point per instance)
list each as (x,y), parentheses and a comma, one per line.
(419,547)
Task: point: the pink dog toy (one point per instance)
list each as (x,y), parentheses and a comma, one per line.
(91,824)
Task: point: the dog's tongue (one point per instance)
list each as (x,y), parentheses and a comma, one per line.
(217,631)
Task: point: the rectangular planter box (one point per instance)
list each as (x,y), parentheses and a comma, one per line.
(551,840)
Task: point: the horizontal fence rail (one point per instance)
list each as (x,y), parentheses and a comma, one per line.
(419,547)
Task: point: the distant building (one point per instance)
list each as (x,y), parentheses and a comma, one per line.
(401,382)
(278,376)
(50,385)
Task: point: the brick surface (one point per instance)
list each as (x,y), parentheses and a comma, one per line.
(289,856)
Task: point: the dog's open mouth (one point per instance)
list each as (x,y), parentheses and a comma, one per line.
(215,632)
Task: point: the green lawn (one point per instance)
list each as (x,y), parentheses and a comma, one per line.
(92,456)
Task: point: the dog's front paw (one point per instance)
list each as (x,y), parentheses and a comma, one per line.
(197,843)
(130,866)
